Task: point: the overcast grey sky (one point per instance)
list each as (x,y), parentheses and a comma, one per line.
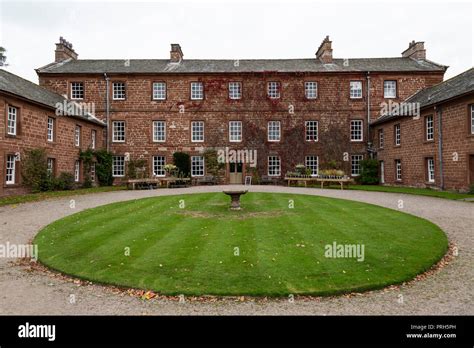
(234,30)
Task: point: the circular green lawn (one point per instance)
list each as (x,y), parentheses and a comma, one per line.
(279,244)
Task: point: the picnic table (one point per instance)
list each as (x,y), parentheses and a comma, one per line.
(299,179)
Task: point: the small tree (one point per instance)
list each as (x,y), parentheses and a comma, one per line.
(35,170)
(183,162)
(87,157)
(369,172)
(213,166)
(136,169)
(103,167)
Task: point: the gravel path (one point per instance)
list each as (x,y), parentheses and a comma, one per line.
(448,291)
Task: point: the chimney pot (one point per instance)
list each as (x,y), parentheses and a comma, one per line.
(64,51)
(176,54)
(324,52)
(415,50)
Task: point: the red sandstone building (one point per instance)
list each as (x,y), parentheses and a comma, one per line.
(29,119)
(435,149)
(309,111)
(313,111)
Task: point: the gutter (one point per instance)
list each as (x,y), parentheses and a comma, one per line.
(368,110)
(439,112)
(107,111)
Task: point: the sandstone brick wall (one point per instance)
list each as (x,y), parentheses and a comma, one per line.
(33,134)
(458,146)
(333,106)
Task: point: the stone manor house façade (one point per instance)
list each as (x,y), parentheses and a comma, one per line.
(292,111)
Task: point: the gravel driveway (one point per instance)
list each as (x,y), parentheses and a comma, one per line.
(448,291)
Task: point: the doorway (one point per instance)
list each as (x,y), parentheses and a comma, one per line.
(235,173)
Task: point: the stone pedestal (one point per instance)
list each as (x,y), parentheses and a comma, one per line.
(235,198)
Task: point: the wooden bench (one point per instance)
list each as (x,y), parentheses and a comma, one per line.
(143,183)
(265,179)
(206,180)
(151,183)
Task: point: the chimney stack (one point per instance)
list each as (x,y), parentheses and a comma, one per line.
(415,50)
(176,54)
(324,52)
(64,51)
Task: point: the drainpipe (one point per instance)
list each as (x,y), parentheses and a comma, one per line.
(368,112)
(439,112)
(107,108)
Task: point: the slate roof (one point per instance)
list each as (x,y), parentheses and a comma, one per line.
(164,66)
(13,84)
(454,87)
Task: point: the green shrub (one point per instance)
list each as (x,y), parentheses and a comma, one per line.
(35,170)
(471,189)
(213,166)
(369,172)
(103,167)
(65,181)
(183,162)
(136,169)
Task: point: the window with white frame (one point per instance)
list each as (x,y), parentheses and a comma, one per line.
(118,166)
(390,89)
(235,90)
(273,90)
(50,167)
(197,131)
(159,90)
(77,136)
(356,130)
(429,125)
(159,131)
(197,91)
(93,172)
(381,138)
(77,90)
(431,169)
(355,164)
(274,131)
(312,163)
(118,131)
(197,166)
(77,171)
(93,138)
(274,166)
(12,120)
(10,170)
(311,89)
(50,129)
(235,131)
(355,91)
(118,89)
(398,135)
(311,130)
(398,170)
(472,119)
(159,165)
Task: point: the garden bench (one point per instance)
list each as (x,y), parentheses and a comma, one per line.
(207,180)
